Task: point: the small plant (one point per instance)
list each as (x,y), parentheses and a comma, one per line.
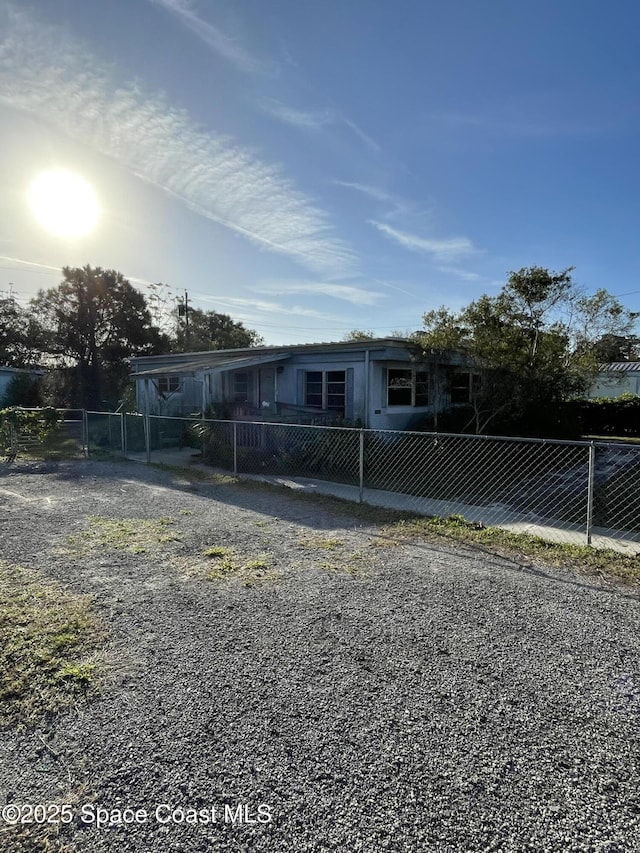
(217,552)
(257,564)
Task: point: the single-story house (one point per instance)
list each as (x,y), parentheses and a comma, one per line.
(617,378)
(380,383)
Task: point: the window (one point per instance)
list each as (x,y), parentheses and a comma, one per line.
(464,386)
(325,389)
(240,387)
(407,387)
(168,384)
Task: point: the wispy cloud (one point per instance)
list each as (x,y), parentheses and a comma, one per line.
(261,307)
(297,118)
(55,81)
(443,250)
(315,119)
(355,295)
(465,275)
(395,205)
(364,137)
(222,44)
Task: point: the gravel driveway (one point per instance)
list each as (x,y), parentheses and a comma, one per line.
(353,692)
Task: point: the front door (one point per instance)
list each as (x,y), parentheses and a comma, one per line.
(267,387)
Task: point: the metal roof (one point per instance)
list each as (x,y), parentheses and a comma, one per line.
(620,367)
(218,365)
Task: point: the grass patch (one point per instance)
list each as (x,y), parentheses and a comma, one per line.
(217,551)
(47,636)
(199,475)
(594,561)
(223,569)
(347,568)
(250,572)
(134,535)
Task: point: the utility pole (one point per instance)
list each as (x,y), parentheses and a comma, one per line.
(183,311)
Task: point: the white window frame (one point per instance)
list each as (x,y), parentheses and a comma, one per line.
(325,390)
(172,383)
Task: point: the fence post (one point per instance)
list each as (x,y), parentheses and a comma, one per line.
(85,433)
(123,435)
(361,467)
(235,447)
(591,473)
(147,437)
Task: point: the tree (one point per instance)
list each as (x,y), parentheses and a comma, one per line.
(17,335)
(93,322)
(359,335)
(534,344)
(208,330)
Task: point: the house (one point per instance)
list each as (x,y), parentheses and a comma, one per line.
(617,378)
(377,383)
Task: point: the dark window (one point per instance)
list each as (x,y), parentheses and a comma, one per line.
(464,386)
(335,390)
(313,389)
(168,384)
(407,387)
(240,387)
(325,389)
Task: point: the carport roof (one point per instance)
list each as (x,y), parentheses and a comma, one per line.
(217,365)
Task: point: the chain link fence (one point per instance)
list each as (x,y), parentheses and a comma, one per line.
(45,434)
(573,492)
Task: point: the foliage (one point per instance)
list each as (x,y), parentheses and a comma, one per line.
(534,345)
(617,416)
(38,425)
(23,390)
(18,335)
(359,335)
(611,348)
(208,330)
(93,322)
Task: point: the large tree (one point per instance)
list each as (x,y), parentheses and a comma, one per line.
(533,345)
(18,335)
(91,324)
(208,330)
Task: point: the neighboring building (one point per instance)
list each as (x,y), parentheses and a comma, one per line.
(617,378)
(378,383)
(7,374)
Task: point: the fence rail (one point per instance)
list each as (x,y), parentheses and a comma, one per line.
(563,491)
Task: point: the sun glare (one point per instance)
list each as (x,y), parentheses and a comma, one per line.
(64,203)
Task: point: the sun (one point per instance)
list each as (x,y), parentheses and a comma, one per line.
(64,203)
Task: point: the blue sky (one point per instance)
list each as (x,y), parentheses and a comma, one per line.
(314,167)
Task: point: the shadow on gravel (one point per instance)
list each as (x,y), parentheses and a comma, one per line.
(320,512)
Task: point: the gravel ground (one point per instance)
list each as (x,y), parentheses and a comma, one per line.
(353,693)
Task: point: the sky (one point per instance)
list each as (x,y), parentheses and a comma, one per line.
(314,167)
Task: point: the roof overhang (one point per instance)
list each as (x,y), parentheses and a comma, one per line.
(214,366)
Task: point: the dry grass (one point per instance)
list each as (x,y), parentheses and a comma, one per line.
(48,646)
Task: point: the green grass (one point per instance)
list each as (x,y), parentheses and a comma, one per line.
(593,561)
(134,535)
(47,640)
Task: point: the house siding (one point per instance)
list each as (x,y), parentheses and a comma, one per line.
(283,377)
